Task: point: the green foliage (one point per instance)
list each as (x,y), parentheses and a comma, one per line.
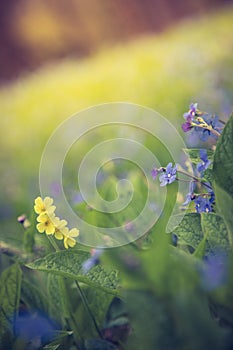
(223,176)
(215,231)
(33,296)
(10,284)
(225,207)
(69,264)
(189,232)
(223,159)
(194,155)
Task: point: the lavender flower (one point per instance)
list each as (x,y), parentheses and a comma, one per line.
(169,175)
(203,204)
(204,164)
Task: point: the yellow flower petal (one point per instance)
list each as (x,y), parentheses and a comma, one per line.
(50,228)
(44,206)
(58,235)
(40,227)
(48,201)
(74,232)
(69,242)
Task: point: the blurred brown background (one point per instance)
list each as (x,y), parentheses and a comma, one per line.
(38,31)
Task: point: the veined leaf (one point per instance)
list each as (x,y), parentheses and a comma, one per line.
(215,231)
(224,204)
(223,159)
(10,285)
(69,264)
(189,231)
(34,297)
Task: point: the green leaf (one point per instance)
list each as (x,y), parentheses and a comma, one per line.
(223,159)
(201,249)
(194,154)
(99,344)
(215,231)
(10,285)
(57,297)
(189,231)
(69,264)
(58,337)
(224,204)
(33,296)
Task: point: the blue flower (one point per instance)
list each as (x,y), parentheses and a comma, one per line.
(169,175)
(190,196)
(204,164)
(203,204)
(211,121)
(211,193)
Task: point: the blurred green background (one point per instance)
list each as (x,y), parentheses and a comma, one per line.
(57,59)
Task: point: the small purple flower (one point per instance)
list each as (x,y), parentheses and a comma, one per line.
(204,164)
(169,175)
(192,111)
(154,173)
(203,204)
(92,261)
(187,126)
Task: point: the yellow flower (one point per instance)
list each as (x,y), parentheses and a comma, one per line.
(69,241)
(61,229)
(47,224)
(44,206)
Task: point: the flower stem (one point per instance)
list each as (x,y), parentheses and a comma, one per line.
(53,243)
(207,127)
(85,303)
(82,295)
(194,178)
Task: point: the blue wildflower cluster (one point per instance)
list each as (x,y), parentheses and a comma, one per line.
(200,193)
(168,174)
(204,124)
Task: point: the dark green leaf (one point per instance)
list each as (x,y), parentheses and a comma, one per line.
(224,204)
(215,231)
(57,297)
(34,297)
(201,249)
(58,336)
(223,159)
(189,231)
(98,344)
(10,285)
(69,264)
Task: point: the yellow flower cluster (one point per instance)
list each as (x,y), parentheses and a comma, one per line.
(51,224)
